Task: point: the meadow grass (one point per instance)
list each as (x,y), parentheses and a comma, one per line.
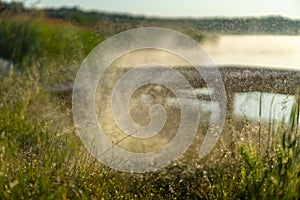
(42,157)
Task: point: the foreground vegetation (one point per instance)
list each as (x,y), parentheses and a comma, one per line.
(41,156)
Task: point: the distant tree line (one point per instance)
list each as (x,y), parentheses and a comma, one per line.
(78,16)
(245,25)
(262,25)
(220,25)
(14,7)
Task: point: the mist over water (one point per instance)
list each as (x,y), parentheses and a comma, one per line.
(260,50)
(276,51)
(268,51)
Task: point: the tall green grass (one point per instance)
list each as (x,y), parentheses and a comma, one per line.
(18,40)
(55,50)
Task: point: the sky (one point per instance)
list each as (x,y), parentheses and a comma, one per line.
(183,8)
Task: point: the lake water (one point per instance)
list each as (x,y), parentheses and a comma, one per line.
(276,107)
(239,50)
(266,51)
(273,106)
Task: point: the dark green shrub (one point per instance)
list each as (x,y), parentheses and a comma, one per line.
(19,41)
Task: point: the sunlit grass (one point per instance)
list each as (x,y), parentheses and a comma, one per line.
(42,157)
